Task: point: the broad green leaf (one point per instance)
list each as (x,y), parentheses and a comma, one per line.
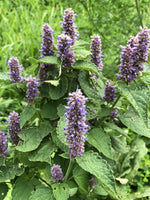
(100,140)
(3,190)
(61,191)
(92,94)
(60,134)
(49,110)
(72,188)
(140,146)
(32,137)
(42,193)
(82,179)
(23,188)
(79,44)
(81,53)
(48,60)
(59,91)
(88,66)
(43,152)
(94,164)
(140,194)
(138,98)
(133,121)
(26,115)
(9,171)
(119,144)
(99,190)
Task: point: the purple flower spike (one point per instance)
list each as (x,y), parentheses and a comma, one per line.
(68,25)
(96,56)
(134,55)
(67,56)
(15,69)
(32,89)
(46,50)
(76,123)
(109,92)
(3,144)
(14,127)
(114,113)
(57,174)
(47,41)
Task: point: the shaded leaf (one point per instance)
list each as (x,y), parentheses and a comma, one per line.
(49,110)
(26,115)
(3,190)
(42,193)
(49,60)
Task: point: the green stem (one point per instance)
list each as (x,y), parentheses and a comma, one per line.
(115,101)
(68,170)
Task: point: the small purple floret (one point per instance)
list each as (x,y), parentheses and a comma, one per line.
(32,89)
(14,127)
(3,144)
(57,174)
(109,92)
(76,123)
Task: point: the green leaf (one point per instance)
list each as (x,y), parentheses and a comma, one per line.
(53,82)
(60,134)
(79,44)
(32,137)
(81,53)
(138,98)
(23,188)
(26,115)
(88,66)
(43,152)
(49,110)
(4,77)
(94,164)
(100,140)
(59,91)
(49,60)
(82,179)
(93,95)
(140,194)
(9,171)
(132,120)
(119,144)
(3,190)
(61,191)
(42,193)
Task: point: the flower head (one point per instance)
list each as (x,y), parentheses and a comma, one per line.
(109,92)
(32,89)
(14,127)
(96,56)
(3,144)
(68,25)
(57,173)
(76,123)
(67,56)
(15,69)
(114,113)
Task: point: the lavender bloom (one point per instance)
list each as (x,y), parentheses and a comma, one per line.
(14,127)
(96,56)
(15,69)
(67,56)
(3,144)
(109,92)
(76,123)
(134,55)
(47,41)
(32,90)
(68,25)
(46,50)
(57,174)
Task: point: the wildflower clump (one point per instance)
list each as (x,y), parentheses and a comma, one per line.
(57,174)
(76,125)
(14,127)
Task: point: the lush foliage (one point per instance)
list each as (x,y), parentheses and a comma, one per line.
(67,132)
